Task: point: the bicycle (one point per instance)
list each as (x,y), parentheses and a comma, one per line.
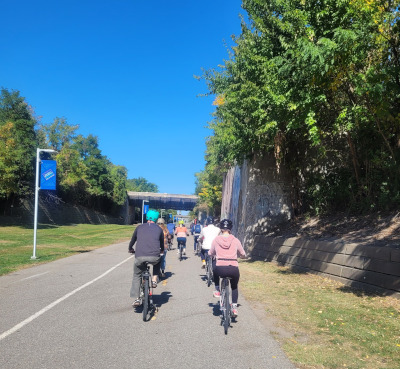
(180,247)
(209,271)
(197,245)
(224,303)
(146,293)
(169,243)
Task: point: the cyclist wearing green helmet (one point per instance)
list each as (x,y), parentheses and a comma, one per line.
(149,239)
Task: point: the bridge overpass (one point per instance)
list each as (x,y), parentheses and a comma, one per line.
(160,201)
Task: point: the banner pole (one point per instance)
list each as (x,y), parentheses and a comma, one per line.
(33,257)
(38,151)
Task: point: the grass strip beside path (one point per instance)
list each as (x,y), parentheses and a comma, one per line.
(330,325)
(54,242)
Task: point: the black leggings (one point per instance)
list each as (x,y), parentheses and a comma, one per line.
(231,272)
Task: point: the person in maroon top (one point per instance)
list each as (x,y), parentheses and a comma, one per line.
(149,239)
(226,248)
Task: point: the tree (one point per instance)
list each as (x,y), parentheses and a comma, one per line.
(141,184)
(17,145)
(317,84)
(59,133)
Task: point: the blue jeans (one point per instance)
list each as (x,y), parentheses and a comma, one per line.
(163,261)
(182,240)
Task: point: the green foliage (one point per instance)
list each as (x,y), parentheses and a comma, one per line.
(316,83)
(141,184)
(84,175)
(17,145)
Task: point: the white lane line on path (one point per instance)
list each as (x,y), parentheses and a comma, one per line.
(48,307)
(34,276)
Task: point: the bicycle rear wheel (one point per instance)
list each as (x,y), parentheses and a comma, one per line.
(209,273)
(227,311)
(146,299)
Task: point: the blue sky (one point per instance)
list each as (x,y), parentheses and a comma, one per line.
(123,71)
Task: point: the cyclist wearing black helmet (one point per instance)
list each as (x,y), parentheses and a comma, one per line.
(226,248)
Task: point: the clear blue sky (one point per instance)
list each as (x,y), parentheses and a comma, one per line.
(123,71)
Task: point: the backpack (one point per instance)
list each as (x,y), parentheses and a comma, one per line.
(197,228)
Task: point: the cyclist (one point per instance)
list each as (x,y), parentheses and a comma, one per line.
(207,235)
(161,224)
(149,239)
(196,233)
(171,229)
(226,248)
(181,234)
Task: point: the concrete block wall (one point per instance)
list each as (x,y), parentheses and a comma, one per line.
(361,266)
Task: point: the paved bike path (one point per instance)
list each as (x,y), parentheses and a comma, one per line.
(76,313)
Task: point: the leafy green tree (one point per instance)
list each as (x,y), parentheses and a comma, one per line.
(119,180)
(17,145)
(316,83)
(58,134)
(141,184)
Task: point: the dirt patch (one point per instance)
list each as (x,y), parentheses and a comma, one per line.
(379,229)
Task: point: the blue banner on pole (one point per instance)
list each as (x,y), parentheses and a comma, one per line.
(145,209)
(48,171)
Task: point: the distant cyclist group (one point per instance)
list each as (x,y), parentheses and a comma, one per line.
(213,241)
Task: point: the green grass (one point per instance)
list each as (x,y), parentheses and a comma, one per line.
(332,326)
(54,242)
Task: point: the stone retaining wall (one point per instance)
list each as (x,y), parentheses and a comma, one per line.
(62,214)
(256,197)
(366,267)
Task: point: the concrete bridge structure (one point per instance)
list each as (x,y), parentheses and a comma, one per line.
(160,201)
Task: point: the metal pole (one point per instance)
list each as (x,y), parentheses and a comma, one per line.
(142,210)
(33,257)
(36,203)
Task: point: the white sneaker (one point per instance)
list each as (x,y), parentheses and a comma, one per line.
(234,311)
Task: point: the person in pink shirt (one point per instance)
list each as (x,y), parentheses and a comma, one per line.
(226,248)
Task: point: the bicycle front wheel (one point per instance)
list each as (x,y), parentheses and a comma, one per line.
(209,273)
(146,299)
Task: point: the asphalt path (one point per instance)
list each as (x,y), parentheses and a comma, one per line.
(76,313)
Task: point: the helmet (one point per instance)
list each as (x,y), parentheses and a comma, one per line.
(181,222)
(209,220)
(152,215)
(225,224)
(160,221)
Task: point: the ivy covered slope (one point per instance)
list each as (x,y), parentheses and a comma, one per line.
(84,175)
(316,83)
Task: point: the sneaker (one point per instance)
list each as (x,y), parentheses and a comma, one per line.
(184,252)
(234,311)
(217,294)
(203,266)
(137,303)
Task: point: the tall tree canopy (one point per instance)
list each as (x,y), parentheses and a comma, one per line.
(141,184)
(84,175)
(17,145)
(317,84)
